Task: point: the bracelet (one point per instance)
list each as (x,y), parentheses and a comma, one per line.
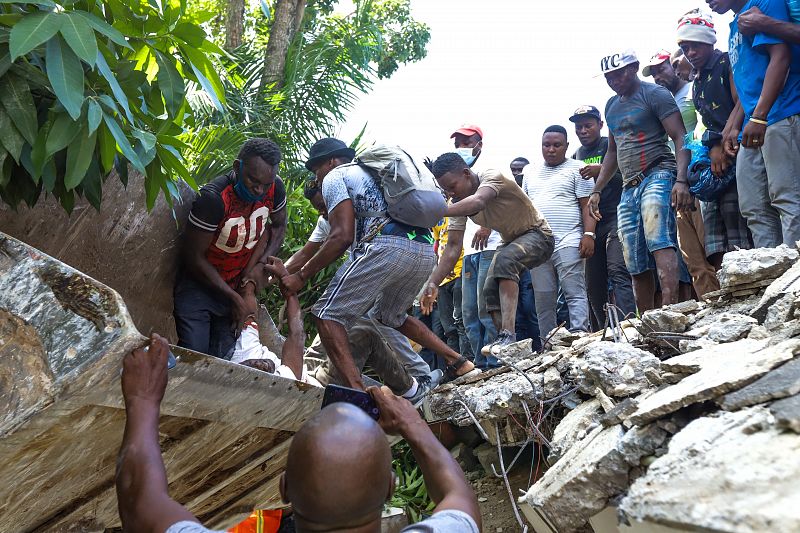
(681,181)
(759,121)
(245,281)
(595,192)
(590,234)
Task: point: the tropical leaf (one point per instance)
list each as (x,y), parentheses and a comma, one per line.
(79,155)
(104,27)
(123,143)
(171,83)
(80,37)
(65,73)
(61,133)
(12,141)
(119,94)
(94,115)
(18,102)
(33,30)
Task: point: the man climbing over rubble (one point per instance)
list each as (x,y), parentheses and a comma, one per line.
(388,264)
(338,471)
(493,201)
(237,220)
(640,117)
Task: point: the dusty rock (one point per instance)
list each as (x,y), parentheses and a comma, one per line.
(749,266)
(723,473)
(552,382)
(787,413)
(780,312)
(778,383)
(565,337)
(618,369)
(686,345)
(689,306)
(789,282)
(758,332)
(731,327)
(663,320)
(579,485)
(620,412)
(518,351)
(719,374)
(640,442)
(465,457)
(575,423)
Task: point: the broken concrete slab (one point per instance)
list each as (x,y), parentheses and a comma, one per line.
(620,412)
(778,383)
(573,427)
(518,351)
(641,442)
(579,485)
(733,472)
(787,413)
(665,320)
(730,327)
(618,369)
(789,282)
(781,311)
(748,266)
(718,375)
(552,382)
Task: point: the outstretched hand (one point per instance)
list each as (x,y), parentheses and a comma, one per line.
(397,413)
(429,295)
(144,372)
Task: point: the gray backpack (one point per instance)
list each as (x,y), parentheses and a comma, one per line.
(411,192)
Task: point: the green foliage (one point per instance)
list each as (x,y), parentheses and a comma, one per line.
(411,493)
(92,86)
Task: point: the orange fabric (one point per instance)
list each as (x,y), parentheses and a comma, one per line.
(261,521)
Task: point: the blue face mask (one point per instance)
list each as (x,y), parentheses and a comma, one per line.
(242,191)
(466,155)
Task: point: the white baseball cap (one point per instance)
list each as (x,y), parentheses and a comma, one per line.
(617,61)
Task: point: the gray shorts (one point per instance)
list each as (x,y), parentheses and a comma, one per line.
(386,273)
(527,251)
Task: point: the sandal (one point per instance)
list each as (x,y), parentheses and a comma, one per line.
(451,371)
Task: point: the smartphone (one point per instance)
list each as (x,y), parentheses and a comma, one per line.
(361,399)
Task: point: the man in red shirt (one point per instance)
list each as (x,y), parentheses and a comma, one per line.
(224,240)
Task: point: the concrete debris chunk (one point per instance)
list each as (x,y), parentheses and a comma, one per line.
(778,383)
(664,321)
(620,412)
(718,375)
(575,423)
(748,266)
(580,484)
(552,382)
(732,472)
(518,351)
(788,283)
(780,312)
(641,442)
(731,327)
(787,414)
(564,337)
(618,369)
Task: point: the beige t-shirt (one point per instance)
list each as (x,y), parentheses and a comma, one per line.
(511,213)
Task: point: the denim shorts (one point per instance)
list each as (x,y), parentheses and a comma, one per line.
(647,220)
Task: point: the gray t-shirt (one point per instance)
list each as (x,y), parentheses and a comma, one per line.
(351,182)
(635,122)
(450,521)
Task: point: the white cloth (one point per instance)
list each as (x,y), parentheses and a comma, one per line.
(555,191)
(469,233)
(321,231)
(248,346)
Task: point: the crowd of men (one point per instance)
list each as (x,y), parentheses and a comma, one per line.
(703,161)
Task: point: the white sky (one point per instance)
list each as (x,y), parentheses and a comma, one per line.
(513,67)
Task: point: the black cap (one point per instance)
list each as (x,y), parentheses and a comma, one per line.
(325,149)
(585,111)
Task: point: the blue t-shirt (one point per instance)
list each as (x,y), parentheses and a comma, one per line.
(750,57)
(794,10)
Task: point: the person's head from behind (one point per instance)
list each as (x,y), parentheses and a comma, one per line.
(313,194)
(621,71)
(588,124)
(516,167)
(697,37)
(255,168)
(662,71)
(468,142)
(338,472)
(327,154)
(554,145)
(454,176)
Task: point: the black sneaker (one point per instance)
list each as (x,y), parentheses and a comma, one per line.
(504,338)
(425,384)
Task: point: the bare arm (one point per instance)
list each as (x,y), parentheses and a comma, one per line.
(269,243)
(754,21)
(682,199)
(730,134)
(774,80)
(301,256)
(342,220)
(443,477)
(586,247)
(141,480)
(294,347)
(472,204)
(448,260)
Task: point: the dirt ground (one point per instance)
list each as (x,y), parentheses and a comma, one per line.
(496,511)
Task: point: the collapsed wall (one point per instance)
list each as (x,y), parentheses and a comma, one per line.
(689,421)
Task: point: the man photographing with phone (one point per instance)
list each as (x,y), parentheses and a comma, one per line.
(338,472)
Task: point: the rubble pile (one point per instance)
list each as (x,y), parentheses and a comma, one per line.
(690,421)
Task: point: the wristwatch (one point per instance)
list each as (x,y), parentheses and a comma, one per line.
(590,234)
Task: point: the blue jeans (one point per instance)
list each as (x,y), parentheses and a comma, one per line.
(527,321)
(477,322)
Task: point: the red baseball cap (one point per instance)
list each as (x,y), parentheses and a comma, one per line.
(658,58)
(469,130)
